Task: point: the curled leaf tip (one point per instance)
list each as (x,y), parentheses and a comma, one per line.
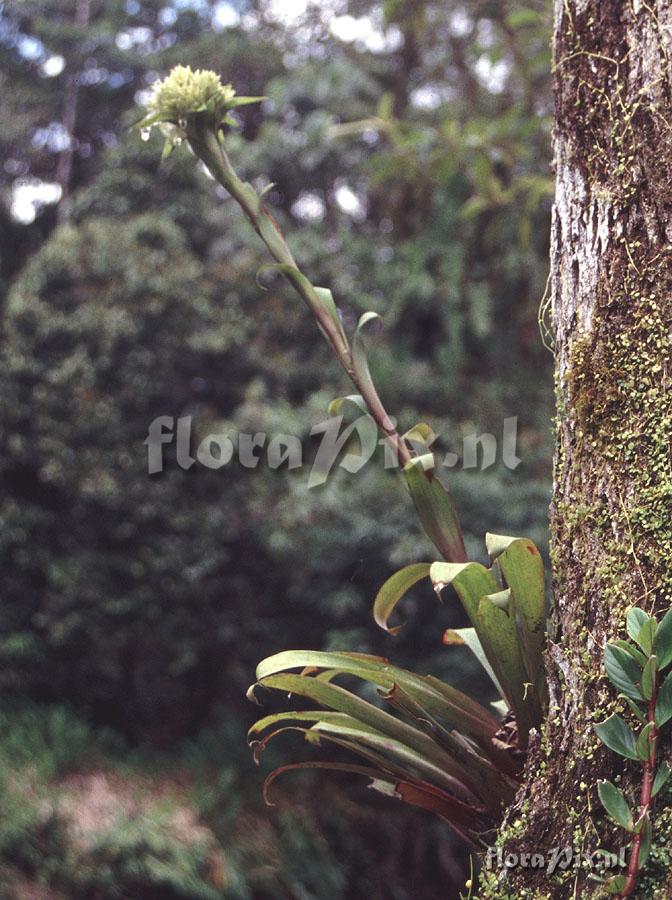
(250,694)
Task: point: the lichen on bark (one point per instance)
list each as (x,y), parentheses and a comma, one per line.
(611,267)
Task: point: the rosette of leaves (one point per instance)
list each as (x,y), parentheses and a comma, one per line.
(438,750)
(430,745)
(640,670)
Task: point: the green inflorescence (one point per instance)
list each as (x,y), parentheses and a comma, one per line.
(185,92)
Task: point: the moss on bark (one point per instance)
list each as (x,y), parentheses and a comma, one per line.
(612,509)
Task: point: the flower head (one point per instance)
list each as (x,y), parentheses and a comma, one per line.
(185,95)
(185,92)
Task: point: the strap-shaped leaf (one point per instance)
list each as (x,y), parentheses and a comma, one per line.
(467,706)
(444,701)
(352,768)
(462,818)
(392,592)
(496,544)
(469,638)
(341,700)
(483,782)
(523,569)
(296,715)
(435,508)
(427,797)
(511,639)
(616,735)
(470,580)
(378,748)
(498,634)
(354,663)
(487,791)
(495,629)
(487,781)
(313,737)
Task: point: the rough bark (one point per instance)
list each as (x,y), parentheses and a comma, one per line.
(611,263)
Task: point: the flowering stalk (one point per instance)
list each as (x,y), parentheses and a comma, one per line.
(194,106)
(209,147)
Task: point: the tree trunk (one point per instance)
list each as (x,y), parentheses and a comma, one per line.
(612,509)
(67,156)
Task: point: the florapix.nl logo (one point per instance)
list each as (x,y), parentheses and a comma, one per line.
(346,445)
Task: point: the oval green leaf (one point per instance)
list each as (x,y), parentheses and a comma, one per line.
(663,640)
(660,780)
(643,745)
(634,621)
(616,735)
(632,651)
(623,671)
(664,702)
(613,800)
(649,678)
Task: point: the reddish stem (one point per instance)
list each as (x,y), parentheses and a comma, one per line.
(206,145)
(645,800)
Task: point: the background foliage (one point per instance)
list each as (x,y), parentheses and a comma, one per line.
(408,144)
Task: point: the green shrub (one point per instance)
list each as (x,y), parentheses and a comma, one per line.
(50,741)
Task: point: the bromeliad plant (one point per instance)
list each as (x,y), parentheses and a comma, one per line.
(439,749)
(443,751)
(636,669)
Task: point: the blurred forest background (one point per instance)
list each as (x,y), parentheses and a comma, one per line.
(409,146)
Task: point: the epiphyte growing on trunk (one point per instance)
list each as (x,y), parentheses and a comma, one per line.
(636,669)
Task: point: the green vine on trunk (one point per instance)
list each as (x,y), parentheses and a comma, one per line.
(636,669)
